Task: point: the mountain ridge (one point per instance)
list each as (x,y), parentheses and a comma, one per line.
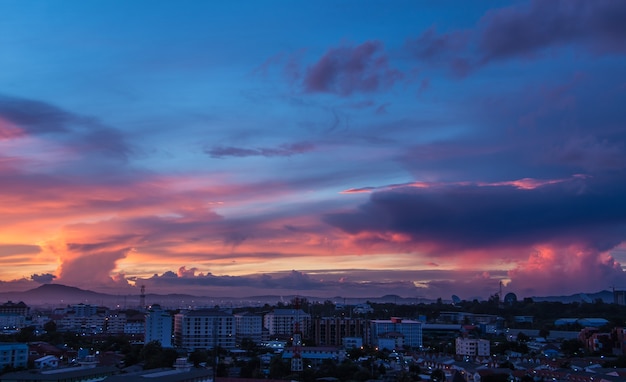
(60,294)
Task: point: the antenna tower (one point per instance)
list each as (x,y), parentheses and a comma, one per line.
(142,297)
(296,360)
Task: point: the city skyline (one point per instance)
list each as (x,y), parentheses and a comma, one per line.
(328,148)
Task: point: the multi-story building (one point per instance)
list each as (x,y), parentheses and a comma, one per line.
(248,325)
(330,331)
(159,326)
(71,323)
(409,331)
(135,325)
(9,321)
(204,329)
(84,310)
(114,322)
(14,308)
(13,355)
(282,322)
(472,347)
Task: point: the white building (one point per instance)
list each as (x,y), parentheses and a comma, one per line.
(248,325)
(13,354)
(47,362)
(282,322)
(159,326)
(472,347)
(409,332)
(204,329)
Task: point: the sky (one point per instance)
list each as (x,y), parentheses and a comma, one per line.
(323,148)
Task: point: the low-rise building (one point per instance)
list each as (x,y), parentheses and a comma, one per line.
(472,347)
(13,355)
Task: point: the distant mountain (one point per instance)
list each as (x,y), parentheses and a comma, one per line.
(55,295)
(606,296)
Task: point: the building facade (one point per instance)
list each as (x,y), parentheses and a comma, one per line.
(472,347)
(282,322)
(159,325)
(250,326)
(13,355)
(330,331)
(409,331)
(204,329)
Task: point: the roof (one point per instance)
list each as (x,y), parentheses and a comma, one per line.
(59,374)
(170,375)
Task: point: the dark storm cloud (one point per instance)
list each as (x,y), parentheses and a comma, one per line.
(85,134)
(280,151)
(588,211)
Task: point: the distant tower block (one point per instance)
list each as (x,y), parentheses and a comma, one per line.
(142,297)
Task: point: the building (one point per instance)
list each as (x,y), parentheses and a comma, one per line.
(472,347)
(204,329)
(13,355)
(330,331)
(114,322)
(47,362)
(316,354)
(84,310)
(352,342)
(159,326)
(14,308)
(250,326)
(9,321)
(410,331)
(135,325)
(282,322)
(70,374)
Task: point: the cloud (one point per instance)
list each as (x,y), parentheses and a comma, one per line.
(45,278)
(350,69)
(455,217)
(285,150)
(525,30)
(85,135)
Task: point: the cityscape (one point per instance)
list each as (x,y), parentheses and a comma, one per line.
(501,339)
(319,191)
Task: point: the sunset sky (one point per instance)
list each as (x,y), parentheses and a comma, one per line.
(323,148)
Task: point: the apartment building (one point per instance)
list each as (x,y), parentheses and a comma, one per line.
(158,326)
(204,329)
(13,355)
(472,347)
(330,331)
(409,332)
(282,322)
(248,325)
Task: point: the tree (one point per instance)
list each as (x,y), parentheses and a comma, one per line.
(437,376)
(50,326)
(198,357)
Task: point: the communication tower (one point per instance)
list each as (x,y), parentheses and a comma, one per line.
(142,297)
(296,360)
